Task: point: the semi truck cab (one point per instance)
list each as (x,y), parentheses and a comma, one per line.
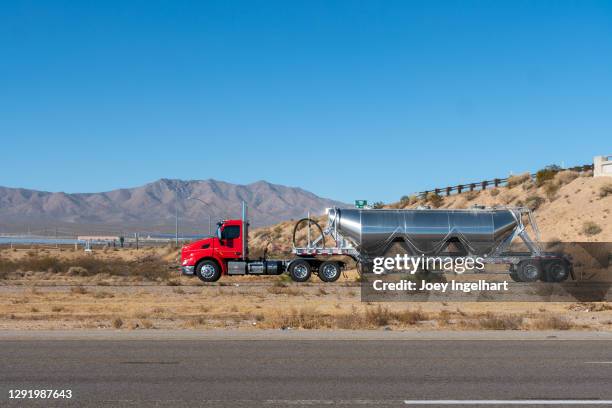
(227,253)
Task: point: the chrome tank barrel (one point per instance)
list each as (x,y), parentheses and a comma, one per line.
(427,231)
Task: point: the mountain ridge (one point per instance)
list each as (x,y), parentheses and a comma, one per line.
(152,206)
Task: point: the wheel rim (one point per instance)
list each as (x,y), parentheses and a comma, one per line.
(300,271)
(556,271)
(329,271)
(207,271)
(531,271)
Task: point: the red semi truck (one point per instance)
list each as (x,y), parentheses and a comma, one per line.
(227,253)
(479,233)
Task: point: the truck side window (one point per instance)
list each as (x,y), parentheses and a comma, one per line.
(230,232)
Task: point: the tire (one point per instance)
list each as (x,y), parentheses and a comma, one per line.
(556,271)
(529,271)
(208,271)
(300,270)
(514,276)
(329,271)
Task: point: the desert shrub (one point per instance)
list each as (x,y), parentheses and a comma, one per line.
(117,322)
(470,195)
(605,190)
(434,199)
(533,202)
(566,177)
(379,316)
(103,295)
(552,323)
(508,322)
(514,181)
(590,228)
(378,205)
(78,290)
(528,185)
(547,173)
(408,200)
(284,290)
(150,267)
(77,271)
(411,316)
(550,189)
(494,192)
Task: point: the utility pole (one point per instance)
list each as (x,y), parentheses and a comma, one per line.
(209,215)
(176,217)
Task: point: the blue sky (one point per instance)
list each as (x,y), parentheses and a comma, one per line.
(346,99)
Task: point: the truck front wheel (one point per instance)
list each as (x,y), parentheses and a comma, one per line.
(300,271)
(208,271)
(329,271)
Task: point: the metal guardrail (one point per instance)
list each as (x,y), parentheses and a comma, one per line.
(483,185)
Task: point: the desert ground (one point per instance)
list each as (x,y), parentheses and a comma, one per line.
(117,294)
(113,288)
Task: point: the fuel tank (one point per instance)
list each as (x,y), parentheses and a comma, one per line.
(427,231)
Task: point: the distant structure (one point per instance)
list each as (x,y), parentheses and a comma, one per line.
(98,238)
(602,166)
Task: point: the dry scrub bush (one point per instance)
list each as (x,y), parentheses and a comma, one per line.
(550,189)
(149,267)
(566,177)
(605,190)
(494,192)
(78,290)
(284,290)
(590,228)
(471,195)
(103,295)
(533,202)
(506,322)
(552,323)
(409,200)
(434,200)
(514,181)
(117,323)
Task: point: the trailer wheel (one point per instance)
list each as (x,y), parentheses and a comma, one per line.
(208,271)
(514,276)
(556,271)
(300,271)
(329,271)
(529,271)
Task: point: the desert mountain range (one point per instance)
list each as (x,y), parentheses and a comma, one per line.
(151,207)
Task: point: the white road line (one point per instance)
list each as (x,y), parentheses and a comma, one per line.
(508,402)
(598,362)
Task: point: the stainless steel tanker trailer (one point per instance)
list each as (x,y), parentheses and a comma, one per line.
(484,233)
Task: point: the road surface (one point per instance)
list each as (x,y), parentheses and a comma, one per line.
(380,369)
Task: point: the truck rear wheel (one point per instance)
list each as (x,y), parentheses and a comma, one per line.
(208,271)
(329,271)
(529,271)
(556,271)
(300,271)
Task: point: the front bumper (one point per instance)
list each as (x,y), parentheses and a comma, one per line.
(187,270)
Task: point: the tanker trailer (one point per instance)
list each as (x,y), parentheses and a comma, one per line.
(486,233)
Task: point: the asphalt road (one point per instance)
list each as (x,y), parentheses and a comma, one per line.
(314,372)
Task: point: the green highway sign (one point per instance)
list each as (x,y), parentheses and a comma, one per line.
(361,203)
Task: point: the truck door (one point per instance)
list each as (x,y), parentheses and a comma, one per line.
(230,244)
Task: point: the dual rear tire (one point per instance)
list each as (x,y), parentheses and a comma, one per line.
(549,271)
(301,270)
